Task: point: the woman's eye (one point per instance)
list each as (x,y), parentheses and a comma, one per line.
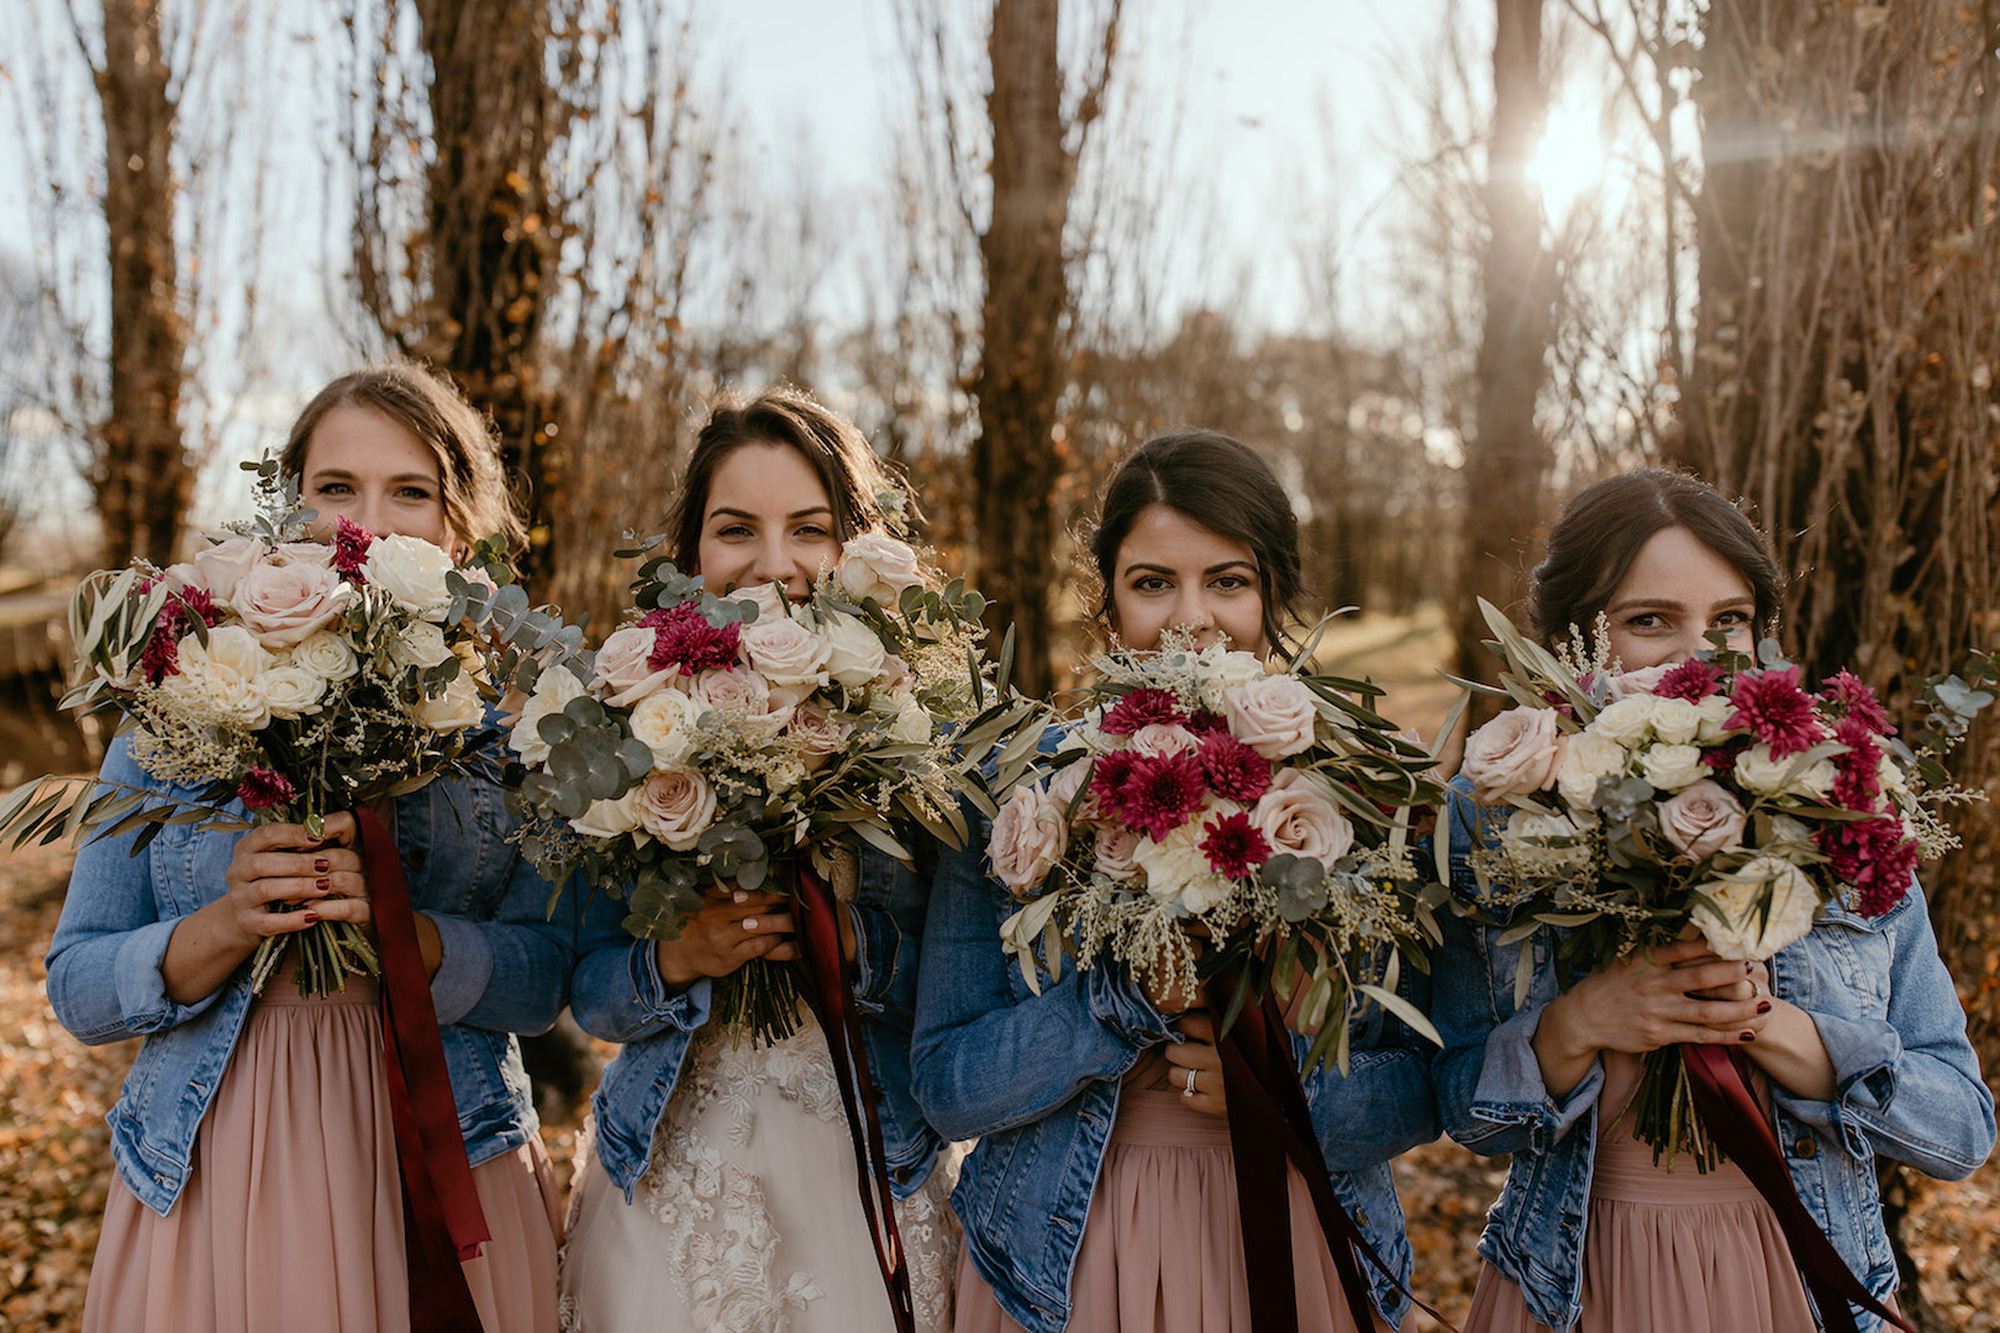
(732,531)
(1150,583)
(415,494)
(811,532)
(1230,583)
(1650,620)
(1732,619)
(332,488)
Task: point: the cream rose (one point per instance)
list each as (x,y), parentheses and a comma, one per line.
(877,565)
(1715,710)
(411,571)
(222,566)
(283,604)
(1297,818)
(1703,818)
(1672,767)
(554,688)
(913,722)
(327,656)
(221,681)
(1514,754)
(855,656)
(1177,869)
(624,671)
(1759,772)
(1736,933)
(1585,758)
(1628,722)
(1230,669)
(420,645)
(676,806)
(610,819)
(1029,837)
(665,724)
(1676,721)
(1274,715)
(786,652)
(457,708)
(291,690)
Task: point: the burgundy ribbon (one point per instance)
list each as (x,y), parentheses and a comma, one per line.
(1270,1126)
(1737,1124)
(442,1221)
(832,997)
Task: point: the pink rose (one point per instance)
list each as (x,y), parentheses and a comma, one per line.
(1643,681)
(1514,754)
(1067,782)
(1117,852)
(1702,818)
(786,652)
(894,671)
(302,553)
(1274,716)
(624,668)
(744,695)
(1157,738)
(877,565)
(1299,819)
(820,736)
(284,603)
(676,806)
(222,566)
(1029,836)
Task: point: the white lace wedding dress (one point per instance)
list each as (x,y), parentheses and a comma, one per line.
(747,1219)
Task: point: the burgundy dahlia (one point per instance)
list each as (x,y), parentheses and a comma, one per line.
(1775,710)
(1234,846)
(1142,708)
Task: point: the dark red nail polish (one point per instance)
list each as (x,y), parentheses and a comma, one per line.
(321,866)
(1746,1036)
(323,885)
(1746,965)
(312,919)
(1764,1008)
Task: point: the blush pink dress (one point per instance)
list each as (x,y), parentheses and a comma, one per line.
(1163,1251)
(293,1216)
(1664,1249)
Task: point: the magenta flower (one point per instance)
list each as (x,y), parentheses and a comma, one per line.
(1857,777)
(1234,770)
(1204,722)
(682,636)
(1851,697)
(1876,856)
(1775,710)
(1234,846)
(1108,775)
(350,546)
(1693,680)
(1159,792)
(1722,758)
(261,789)
(1142,708)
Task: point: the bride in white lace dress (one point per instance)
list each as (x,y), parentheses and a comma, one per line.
(718,1190)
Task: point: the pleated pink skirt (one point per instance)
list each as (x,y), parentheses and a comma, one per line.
(1163,1249)
(293,1217)
(1665,1249)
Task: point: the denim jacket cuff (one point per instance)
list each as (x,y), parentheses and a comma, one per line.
(143,1003)
(1864,1053)
(878,942)
(683,1010)
(1118,1004)
(1511,1090)
(465,970)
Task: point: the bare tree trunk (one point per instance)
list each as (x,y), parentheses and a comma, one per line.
(1015,460)
(1507,459)
(142,474)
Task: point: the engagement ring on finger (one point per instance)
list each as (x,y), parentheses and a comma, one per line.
(1187,1089)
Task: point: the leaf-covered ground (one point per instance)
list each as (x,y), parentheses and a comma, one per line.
(54,1161)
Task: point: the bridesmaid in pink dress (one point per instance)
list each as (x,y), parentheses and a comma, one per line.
(258,1184)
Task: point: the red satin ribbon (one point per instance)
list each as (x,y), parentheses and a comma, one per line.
(831,993)
(442,1220)
(1737,1124)
(1270,1125)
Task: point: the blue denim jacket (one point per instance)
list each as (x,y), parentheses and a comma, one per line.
(505,969)
(1908,1082)
(620,996)
(1036,1079)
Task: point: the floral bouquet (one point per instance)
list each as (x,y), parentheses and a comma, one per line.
(713,736)
(1206,793)
(296,675)
(1718,796)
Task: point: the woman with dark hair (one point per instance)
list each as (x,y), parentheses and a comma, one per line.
(258,1182)
(1102,1194)
(719,1190)
(1855,1031)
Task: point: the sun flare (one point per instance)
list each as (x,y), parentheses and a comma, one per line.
(1569,162)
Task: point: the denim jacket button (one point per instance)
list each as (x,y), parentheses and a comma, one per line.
(901,1175)
(416,857)
(1361,1218)
(1805,1148)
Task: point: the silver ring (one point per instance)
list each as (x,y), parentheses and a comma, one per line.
(1187,1089)
(1757,991)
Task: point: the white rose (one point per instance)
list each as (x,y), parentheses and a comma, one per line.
(786,652)
(554,688)
(913,722)
(327,656)
(221,681)
(855,656)
(1676,721)
(1274,716)
(291,690)
(1585,758)
(420,645)
(1672,767)
(457,708)
(1177,870)
(625,673)
(411,571)
(222,566)
(284,603)
(610,819)
(1224,670)
(665,723)
(676,806)
(876,565)
(1764,775)
(1735,934)
(1628,722)
(1715,710)
(1551,844)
